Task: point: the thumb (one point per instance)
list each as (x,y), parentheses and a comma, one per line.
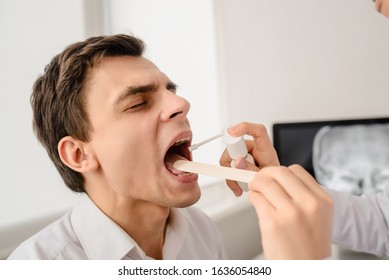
(241,163)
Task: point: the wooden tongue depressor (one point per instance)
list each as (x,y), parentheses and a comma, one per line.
(234,174)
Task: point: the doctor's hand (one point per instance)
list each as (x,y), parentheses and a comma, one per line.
(294,213)
(260,148)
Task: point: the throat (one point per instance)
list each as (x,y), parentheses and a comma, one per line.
(170,159)
(149,232)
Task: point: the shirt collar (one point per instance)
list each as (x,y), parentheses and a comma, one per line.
(103,239)
(100,237)
(175,235)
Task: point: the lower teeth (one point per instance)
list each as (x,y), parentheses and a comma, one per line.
(185,174)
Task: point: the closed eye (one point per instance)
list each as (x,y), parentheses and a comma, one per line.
(136,104)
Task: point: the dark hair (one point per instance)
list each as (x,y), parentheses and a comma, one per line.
(58,99)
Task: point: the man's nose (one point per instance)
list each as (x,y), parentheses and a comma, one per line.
(174,107)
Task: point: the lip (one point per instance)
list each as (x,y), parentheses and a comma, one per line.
(190,178)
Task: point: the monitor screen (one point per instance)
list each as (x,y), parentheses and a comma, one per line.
(343,141)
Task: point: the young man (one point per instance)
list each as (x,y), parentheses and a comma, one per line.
(113,125)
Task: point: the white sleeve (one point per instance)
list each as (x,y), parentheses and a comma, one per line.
(361,222)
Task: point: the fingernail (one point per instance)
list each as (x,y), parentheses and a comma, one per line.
(237,192)
(241,163)
(232,128)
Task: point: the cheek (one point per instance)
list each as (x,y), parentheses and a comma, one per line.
(123,164)
(127,150)
(129,156)
(115,149)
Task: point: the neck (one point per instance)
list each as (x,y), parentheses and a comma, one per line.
(147,229)
(145,222)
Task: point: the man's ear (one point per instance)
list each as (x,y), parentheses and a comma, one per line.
(75,155)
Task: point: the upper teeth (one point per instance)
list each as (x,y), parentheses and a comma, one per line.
(179,142)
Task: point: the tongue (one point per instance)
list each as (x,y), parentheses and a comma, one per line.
(172,158)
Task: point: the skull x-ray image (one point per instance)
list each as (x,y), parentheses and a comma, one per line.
(353,159)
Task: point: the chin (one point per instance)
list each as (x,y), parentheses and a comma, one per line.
(181,200)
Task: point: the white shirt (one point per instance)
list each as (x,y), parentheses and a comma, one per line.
(87,233)
(361,223)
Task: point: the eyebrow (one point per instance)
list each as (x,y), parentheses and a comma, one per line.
(134,90)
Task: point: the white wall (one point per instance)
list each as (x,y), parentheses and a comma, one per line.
(283,60)
(31,33)
(180,40)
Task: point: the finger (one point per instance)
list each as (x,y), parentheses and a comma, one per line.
(225,159)
(243,128)
(291,183)
(262,206)
(272,191)
(257,131)
(233,185)
(262,149)
(307,178)
(241,163)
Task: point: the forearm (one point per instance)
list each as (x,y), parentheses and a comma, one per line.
(361,222)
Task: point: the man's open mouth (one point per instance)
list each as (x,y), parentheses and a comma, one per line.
(178,151)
